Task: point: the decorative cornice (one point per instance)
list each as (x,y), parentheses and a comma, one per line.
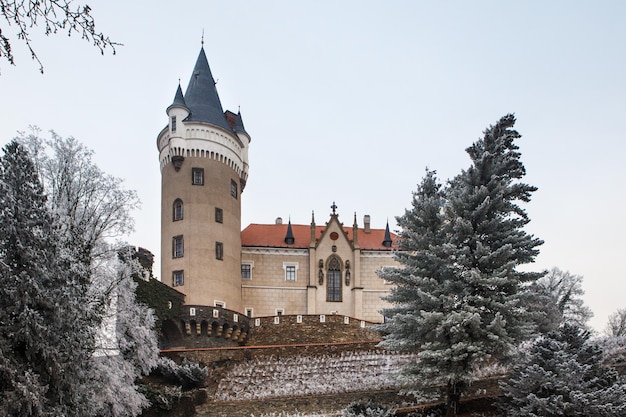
(249,250)
(268,287)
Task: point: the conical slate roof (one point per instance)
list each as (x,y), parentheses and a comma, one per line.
(239,124)
(387,240)
(179,100)
(201,96)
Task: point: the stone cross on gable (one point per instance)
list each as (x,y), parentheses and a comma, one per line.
(334,207)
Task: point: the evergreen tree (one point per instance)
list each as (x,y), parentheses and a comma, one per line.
(61,284)
(563,375)
(458,296)
(42,365)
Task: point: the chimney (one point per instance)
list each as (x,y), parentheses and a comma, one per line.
(366,223)
(279,220)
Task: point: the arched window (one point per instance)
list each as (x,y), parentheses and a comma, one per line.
(178,209)
(333,280)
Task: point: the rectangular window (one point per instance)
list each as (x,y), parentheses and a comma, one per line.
(219,215)
(280,311)
(178,249)
(249,312)
(220,304)
(219,250)
(290,272)
(173,123)
(246,271)
(178,278)
(197,176)
(233,188)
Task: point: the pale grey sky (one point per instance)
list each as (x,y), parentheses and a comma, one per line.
(349,101)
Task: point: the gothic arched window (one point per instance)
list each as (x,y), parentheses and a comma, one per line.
(333,280)
(178,209)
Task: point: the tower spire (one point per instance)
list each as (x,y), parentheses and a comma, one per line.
(201,95)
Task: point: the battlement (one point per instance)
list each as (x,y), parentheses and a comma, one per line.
(206,327)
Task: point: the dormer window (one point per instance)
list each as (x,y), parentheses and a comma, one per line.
(173,124)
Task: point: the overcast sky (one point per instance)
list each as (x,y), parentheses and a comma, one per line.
(350,101)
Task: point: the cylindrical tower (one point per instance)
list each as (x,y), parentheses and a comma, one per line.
(203,154)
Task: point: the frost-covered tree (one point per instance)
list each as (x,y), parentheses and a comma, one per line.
(90,207)
(129,352)
(458,299)
(564,295)
(616,326)
(46,333)
(90,290)
(563,375)
(51,16)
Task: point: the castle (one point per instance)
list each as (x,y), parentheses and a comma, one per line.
(266,269)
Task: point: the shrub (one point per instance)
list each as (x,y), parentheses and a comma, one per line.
(367,409)
(188,374)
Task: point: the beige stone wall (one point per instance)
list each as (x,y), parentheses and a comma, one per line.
(374,287)
(206,279)
(268,290)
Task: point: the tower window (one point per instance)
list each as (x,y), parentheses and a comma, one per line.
(197,176)
(178,279)
(173,123)
(233,188)
(219,250)
(177,247)
(219,215)
(333,287)
(178,209)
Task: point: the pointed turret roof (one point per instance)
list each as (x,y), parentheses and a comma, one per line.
(387,239)
(201,96)
(179,100)
(289,239)
(239,124)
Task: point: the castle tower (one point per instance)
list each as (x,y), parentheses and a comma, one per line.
(203,153)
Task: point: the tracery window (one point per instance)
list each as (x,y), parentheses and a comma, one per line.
(333,280)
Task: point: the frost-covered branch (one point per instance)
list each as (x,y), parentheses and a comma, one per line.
(52,16)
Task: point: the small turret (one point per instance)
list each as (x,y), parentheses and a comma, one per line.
(289,239)
(387,240)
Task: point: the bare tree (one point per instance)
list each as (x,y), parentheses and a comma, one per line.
(91,207)
(565,290)
(616,326)
(51,15)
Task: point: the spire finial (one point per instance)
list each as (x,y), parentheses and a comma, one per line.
(334,207)
(202,41)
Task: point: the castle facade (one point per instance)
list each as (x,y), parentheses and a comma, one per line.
(266,269)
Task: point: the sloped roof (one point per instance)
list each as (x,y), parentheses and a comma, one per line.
(201,96)
(273,236)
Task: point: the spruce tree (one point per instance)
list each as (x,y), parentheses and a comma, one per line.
(458,296)
(563,375)
(42,344)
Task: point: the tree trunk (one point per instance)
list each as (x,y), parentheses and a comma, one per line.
(453,391)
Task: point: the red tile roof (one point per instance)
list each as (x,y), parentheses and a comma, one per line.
(273,236)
